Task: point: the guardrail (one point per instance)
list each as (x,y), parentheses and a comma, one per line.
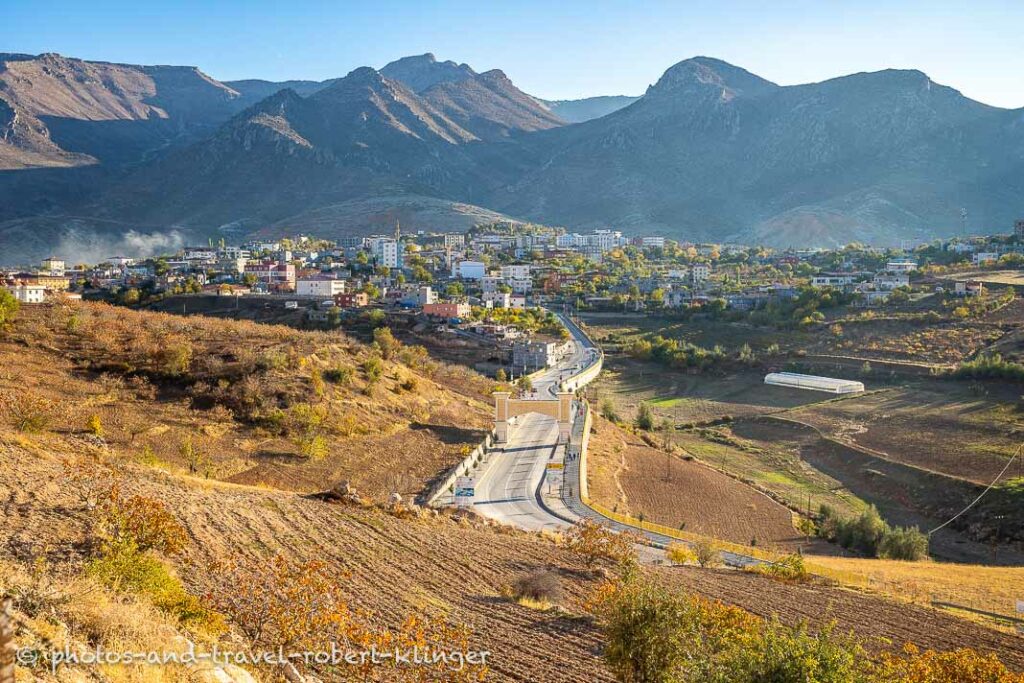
(837,575)
(467,465)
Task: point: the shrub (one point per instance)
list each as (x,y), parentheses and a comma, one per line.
(95,425)
(339,375)
(142,522)
(28,412)
(870,535)
(680,553)
(385,342)
(124,567)
(929,666)
(904,543)
(540,587)
(374,369)
(8,307)
(608,410)
(788,568)
(644,417)
(410,384)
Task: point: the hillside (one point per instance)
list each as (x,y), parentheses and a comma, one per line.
(71,111)
(243,402)
(487,104)
(714,152)
(96,404)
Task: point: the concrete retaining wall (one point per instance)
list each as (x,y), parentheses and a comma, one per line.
(439,492)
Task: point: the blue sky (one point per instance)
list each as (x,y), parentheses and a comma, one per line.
(563,49)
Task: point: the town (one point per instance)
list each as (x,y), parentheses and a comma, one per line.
(482,284)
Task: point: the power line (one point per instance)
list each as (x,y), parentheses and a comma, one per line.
(988,488)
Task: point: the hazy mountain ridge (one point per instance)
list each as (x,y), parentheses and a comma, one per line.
(587,108)
(710,151)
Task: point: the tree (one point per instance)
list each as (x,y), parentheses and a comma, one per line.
(8,307)
(501,375)
(644,417)
(593,541)
(525,383)
(385,342)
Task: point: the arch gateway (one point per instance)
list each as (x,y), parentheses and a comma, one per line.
(506,408)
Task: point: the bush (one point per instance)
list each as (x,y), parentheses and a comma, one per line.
(789,568)
(644,417)
(608,410)
(680,553)
(125,568)
(142,522)
(593,541)
(8,307)
(28,412)
(339,375)
(542,587)
(871,536)
(904,543)
(385,342)
(374,369)
(95,425)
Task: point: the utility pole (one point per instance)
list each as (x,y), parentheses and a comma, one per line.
(7,652)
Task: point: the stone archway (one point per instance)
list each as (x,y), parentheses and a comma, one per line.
(506,408)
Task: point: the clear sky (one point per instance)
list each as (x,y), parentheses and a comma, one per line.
(556,49)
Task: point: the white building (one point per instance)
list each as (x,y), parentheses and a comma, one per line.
(901,266)
(700,272)
(27,294)
(831,280)
(320,286)
(985,257)
(498,299)
(515,272)
(490,283)
(454,240)
(53,266)
(425,295)
(385,250)
(469,270)
(890,281)
(652,242)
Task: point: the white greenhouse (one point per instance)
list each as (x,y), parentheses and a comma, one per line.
(814,383)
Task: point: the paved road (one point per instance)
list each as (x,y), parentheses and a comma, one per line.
(507,489)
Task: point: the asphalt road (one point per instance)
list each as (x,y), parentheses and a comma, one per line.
(507,489)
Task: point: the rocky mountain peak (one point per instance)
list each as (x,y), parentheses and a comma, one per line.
(707,73)
(420,72)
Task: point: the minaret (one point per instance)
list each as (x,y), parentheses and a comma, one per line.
(398,230)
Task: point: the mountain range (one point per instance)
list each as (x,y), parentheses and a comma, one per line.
(97,156)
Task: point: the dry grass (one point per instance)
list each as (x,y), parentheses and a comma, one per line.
(992,589)
(238,401)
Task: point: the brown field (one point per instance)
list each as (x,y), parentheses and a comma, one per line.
(101,370)
(818,606)
(942,426)
(904,495)
(626,474)
(397,566)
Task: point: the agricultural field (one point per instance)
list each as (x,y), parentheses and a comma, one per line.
(239,401)
(955,428)
(448,568)
(818,605)
(630,476)
(989,589)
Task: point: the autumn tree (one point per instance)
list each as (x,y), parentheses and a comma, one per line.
(593,541)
